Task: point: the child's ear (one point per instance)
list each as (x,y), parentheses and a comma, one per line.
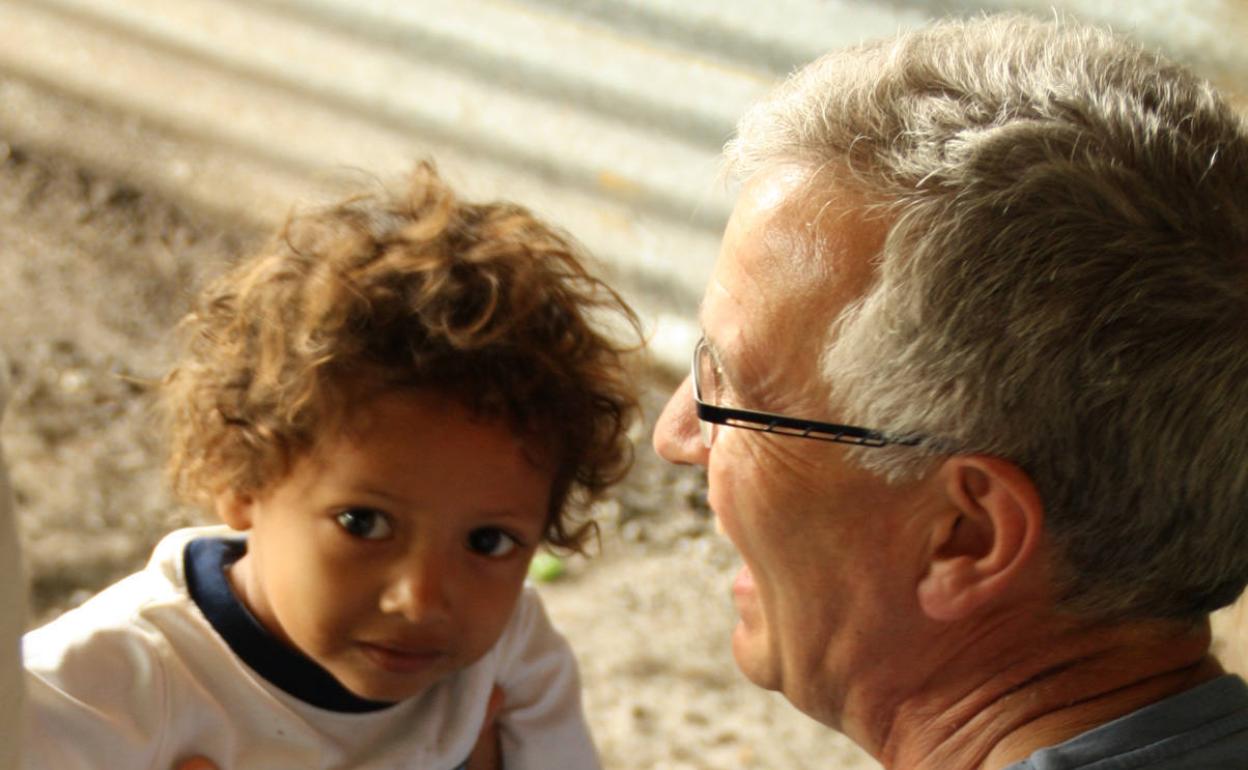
(236,509)
(986,543)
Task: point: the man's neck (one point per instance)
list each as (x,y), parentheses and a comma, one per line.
(1057,687)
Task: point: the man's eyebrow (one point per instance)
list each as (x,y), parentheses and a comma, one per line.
(712,349)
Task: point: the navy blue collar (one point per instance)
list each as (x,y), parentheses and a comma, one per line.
(205,562)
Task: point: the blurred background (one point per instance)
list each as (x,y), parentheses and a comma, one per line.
(605,115)
(145,142)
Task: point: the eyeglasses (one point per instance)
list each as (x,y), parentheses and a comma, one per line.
(706,393)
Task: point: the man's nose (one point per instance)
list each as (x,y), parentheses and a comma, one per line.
(677,435)
(419,589)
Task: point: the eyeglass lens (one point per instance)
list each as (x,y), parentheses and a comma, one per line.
(705,387)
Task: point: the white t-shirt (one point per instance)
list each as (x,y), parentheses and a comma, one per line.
(137,677)
(12,604)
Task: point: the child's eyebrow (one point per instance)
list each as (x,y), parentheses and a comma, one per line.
(511,514)
(371,491)
(400,502)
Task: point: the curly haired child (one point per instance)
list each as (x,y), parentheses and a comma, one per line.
(398,400)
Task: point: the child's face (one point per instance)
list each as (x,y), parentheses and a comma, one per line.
(393,553)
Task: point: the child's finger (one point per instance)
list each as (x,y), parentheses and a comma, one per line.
(195,763)
(495,705)
(487,755)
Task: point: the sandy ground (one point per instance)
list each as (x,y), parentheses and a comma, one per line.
(93,275)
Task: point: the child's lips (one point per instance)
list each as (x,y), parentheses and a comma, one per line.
(402,659)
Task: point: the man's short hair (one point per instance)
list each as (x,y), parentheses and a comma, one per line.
(1064,284)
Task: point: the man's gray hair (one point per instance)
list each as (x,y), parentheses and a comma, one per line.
(1064,284)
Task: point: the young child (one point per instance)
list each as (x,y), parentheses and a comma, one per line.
(399,399)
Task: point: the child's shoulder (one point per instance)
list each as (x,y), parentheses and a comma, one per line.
(529,636)
(104,679)
(124,618)
(528,616)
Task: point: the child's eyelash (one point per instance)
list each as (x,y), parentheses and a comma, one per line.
(365,523)
(488,540)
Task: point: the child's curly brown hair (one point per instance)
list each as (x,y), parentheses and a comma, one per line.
(481,302)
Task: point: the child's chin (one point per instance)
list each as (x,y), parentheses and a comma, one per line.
(386,686)
(391,692)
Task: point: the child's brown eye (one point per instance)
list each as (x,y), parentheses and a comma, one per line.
(491,541)
(364,523)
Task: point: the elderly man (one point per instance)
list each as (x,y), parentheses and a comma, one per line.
(972,398)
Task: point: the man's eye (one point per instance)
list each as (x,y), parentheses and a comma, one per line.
(364,523)
(491,541)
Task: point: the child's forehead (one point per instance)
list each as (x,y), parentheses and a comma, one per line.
(421,415)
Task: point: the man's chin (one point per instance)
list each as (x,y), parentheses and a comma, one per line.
(752,654)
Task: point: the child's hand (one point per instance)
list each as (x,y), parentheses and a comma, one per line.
(486,755)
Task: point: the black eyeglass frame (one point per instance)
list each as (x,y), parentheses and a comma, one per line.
(783,425)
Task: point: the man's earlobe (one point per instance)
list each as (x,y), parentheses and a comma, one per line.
(235,510)
(985,543)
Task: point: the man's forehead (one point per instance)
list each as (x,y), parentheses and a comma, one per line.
(797,241)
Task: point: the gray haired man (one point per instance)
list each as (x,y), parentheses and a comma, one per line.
(972,398)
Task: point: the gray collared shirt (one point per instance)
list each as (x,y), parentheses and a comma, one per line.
(1204,728)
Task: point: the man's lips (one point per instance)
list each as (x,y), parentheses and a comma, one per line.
(743,585)
(745,596)
(400,659)
(743,588)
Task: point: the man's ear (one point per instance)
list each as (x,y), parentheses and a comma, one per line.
(236,510)
(987,538)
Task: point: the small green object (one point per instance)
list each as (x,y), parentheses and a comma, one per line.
(546,567)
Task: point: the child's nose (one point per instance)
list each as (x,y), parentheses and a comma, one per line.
(419,590)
